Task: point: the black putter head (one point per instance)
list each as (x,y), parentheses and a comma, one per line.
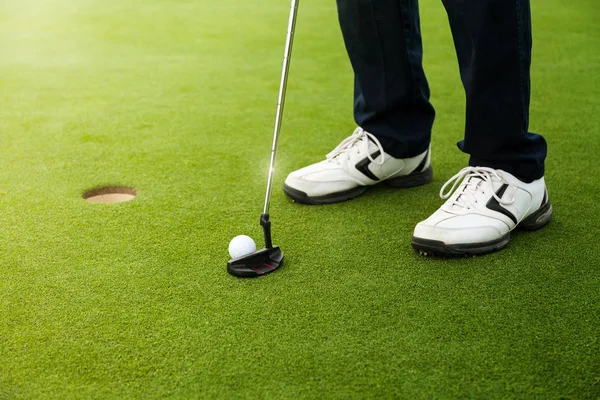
(256,264)
(261,262)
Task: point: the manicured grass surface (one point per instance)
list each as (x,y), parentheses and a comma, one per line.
(176,99)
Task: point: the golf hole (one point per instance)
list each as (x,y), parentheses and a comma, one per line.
(110,194)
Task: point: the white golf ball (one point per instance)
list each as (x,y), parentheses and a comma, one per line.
(241,246)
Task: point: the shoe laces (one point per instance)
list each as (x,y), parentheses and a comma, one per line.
(478,179)
(361,138)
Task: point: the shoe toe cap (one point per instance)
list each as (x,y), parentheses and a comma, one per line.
(460,229)
(315,181)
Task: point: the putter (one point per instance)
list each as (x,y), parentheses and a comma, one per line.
(270,258)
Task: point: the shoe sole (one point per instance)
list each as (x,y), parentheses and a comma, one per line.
(535,221)
(411,180)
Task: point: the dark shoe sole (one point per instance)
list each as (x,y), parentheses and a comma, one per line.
(414,179)
(439,248)
(535,221)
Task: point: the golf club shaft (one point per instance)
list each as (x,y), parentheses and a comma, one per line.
(281,99)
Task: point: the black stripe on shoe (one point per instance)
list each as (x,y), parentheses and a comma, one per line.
(494,205)
(363,166)
(422,165)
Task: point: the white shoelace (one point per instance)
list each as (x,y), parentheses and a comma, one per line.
(469,187)
(359,137)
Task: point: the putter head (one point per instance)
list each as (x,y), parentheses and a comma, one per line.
(256,264)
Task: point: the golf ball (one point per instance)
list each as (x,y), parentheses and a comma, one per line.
(241,246)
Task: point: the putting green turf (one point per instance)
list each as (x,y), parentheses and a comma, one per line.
(177,99)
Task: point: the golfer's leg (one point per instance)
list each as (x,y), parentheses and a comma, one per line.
(383,40)
(493,44)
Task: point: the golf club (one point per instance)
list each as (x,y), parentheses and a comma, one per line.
(270,258)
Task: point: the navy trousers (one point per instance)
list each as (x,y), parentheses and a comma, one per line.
(391,94)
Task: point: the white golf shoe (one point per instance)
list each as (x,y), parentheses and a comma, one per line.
(484,205)
(354,165)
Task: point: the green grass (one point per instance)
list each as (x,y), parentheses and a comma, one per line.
(177,99)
